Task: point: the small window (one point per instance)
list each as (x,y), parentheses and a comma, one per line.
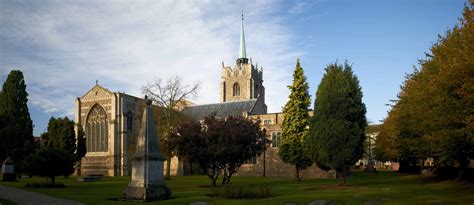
(276,139)
(236,89)
(267,122)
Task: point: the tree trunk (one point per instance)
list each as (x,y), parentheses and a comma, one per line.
(264,162)
(168,167)
(78,168)
(463,167)
(297,173)
(342,177)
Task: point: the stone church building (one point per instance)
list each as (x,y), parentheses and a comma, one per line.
(111,123)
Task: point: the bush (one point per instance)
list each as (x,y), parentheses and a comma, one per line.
(243,192)
(50,163)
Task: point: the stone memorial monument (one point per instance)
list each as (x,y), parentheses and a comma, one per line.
(8,170)
(147,164)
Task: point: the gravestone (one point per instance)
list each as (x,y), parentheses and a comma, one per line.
(8,170)
(147,164)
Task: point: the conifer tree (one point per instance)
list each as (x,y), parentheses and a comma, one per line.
(81,144)
(61,135)
(337,127)
(16,126)
(295,123)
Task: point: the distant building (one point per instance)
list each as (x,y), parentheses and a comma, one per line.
(111,123)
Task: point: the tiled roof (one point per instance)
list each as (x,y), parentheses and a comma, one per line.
(234,108)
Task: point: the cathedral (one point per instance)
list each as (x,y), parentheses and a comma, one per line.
(111,123)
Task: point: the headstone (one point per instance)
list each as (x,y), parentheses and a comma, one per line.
(147,164)
(8,170)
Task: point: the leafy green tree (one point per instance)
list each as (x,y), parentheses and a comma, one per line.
(385,148)
(295,124)
(61,135)
(50,162)
(219,146)
(16,126)
(433,116)
(337,130)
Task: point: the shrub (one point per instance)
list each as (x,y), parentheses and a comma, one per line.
(243,192)
(50,163)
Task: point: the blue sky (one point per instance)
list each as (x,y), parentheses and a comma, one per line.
(64,46)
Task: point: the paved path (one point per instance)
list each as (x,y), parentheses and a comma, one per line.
(22,197)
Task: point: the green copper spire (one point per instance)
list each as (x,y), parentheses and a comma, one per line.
(242,50)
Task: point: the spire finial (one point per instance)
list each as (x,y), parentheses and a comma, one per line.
(242,50)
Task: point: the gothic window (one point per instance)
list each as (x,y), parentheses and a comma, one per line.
(97,130)
(276,139)
(236,89)
(129,118)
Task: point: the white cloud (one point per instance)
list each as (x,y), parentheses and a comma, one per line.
(63,47)
(298,7)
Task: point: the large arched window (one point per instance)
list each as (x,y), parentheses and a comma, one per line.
(97,137)
(236,89)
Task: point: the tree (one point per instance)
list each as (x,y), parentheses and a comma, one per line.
(16,126)
(433,115)
(219,146)
(337,129)
(295,124)
(81,148)
(60,135)
(385,148)
(189,142)
(50,163)
(81,144)
(171,96)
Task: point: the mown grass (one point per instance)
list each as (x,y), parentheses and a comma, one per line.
(382,187)
(6,202)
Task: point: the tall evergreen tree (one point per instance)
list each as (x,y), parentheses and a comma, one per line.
(61,135)
(295,123)
(81,144)
(16,126)
(337,127)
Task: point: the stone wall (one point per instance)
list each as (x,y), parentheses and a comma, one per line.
(274,166)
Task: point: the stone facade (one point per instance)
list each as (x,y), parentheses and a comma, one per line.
(274,166)
(115,129)
(242,82)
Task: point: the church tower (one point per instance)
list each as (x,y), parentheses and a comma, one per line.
(244,81)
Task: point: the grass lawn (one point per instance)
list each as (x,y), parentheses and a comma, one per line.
(382,187)
(6,202)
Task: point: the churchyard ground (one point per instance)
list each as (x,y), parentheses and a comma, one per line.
(368,188)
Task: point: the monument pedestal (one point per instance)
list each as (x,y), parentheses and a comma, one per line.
(147,164)
(147,193)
